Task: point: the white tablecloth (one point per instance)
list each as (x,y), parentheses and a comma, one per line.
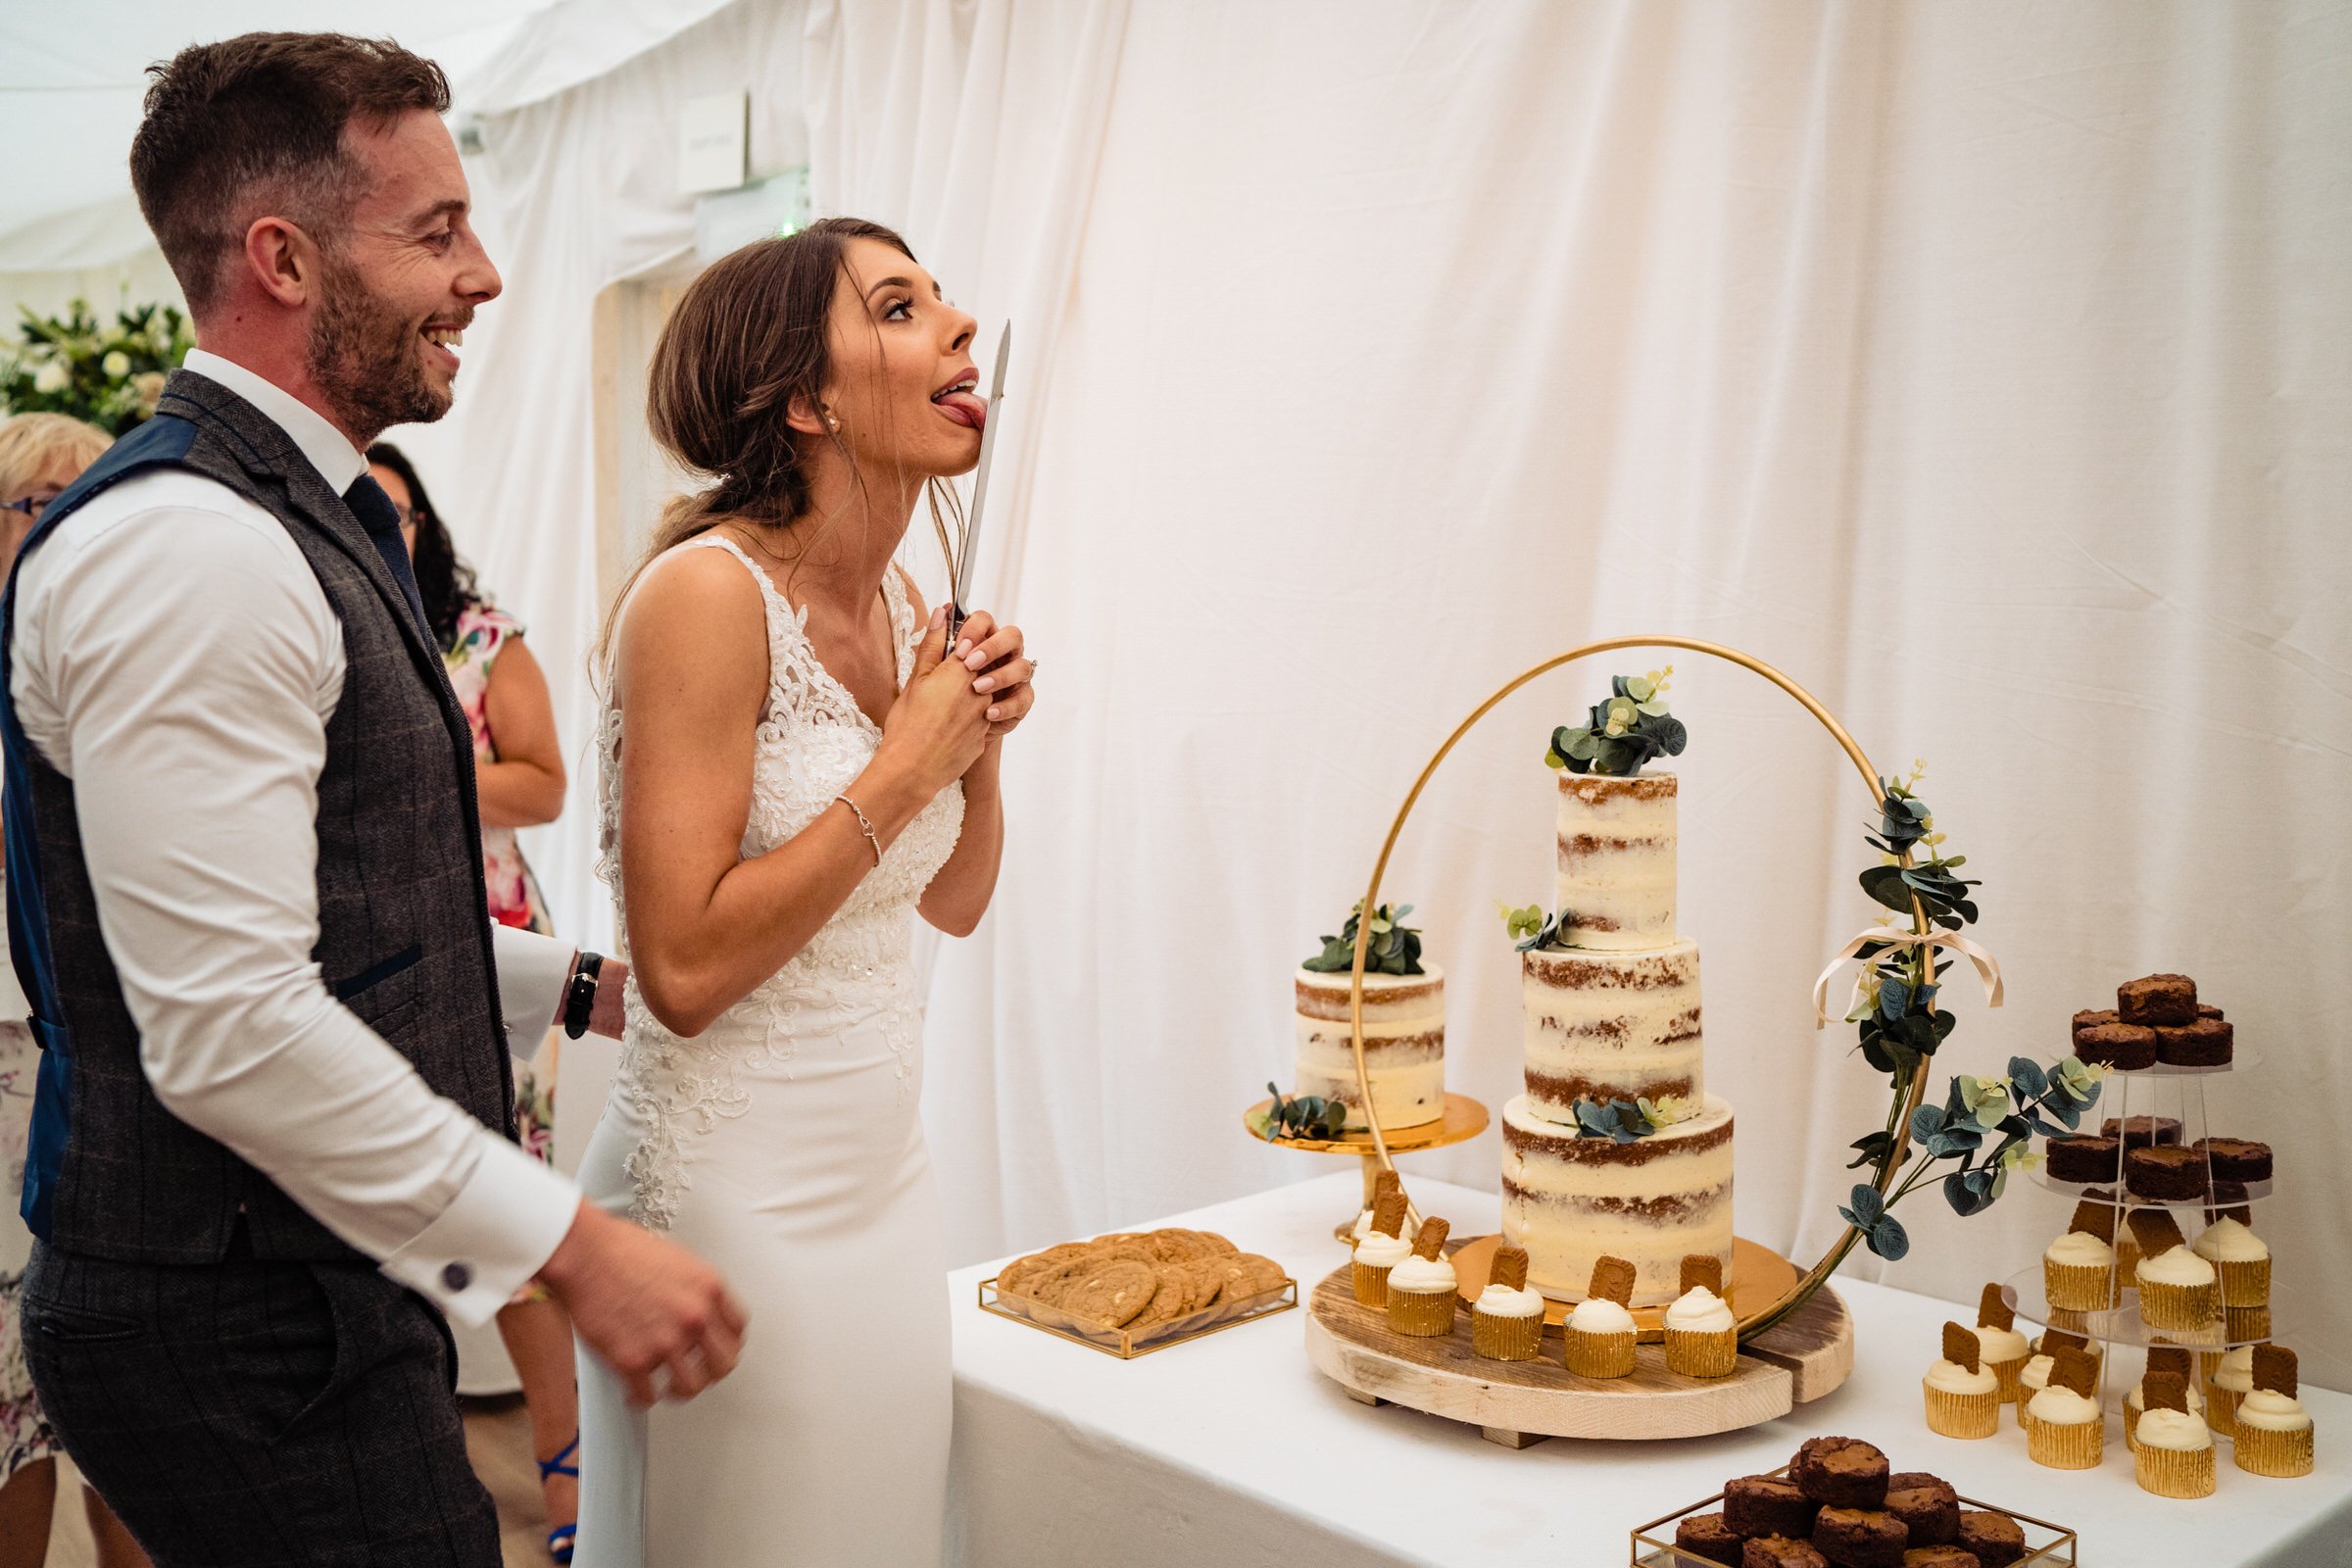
(1233,1451)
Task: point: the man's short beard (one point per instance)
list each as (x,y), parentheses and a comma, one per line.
(363,359)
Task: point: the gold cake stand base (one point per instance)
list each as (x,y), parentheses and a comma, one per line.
(1464,1118)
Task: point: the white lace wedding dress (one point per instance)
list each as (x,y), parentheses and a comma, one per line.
(782,1144)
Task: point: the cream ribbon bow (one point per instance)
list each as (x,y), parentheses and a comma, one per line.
(1989,967)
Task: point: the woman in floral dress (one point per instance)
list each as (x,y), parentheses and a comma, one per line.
(518,775)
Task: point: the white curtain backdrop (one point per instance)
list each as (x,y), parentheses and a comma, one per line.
(1985,367)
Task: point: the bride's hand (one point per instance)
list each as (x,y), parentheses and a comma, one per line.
(938,724)
(1001,666)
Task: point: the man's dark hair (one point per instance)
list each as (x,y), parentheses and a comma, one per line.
(252,126)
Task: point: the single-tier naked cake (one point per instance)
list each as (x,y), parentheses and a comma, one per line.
(1615,1150)
(1405,1026)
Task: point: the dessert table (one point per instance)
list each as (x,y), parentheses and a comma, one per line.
(1232,1451)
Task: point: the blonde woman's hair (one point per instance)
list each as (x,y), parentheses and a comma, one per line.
(31,442)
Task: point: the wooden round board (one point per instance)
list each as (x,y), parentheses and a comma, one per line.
(1760,1277)
(1516,1404)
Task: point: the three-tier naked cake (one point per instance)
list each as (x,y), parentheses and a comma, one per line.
(1612,1020)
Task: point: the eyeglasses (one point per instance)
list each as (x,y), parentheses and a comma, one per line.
(31,505)
(405,513)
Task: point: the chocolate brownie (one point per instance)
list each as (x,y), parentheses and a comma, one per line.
(2082,1158)
(2204,1043)
(1841,1473)
(1940,1557)
(2235,1159)
(2166,1174)
(1766,1506)
(1930,1511)
(2206,1010)
(2091,1020)
(2125,1047)
(2141,1132)
(2157,999)
(1706,1535)
(1996,1539)
(1860,1537)
(1779,1551)
(1905,1480)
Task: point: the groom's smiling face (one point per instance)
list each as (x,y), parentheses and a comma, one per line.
(401,276)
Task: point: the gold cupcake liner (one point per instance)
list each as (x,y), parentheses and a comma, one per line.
(2259,1452)
(1425,1313)
(2221,1408)
(1598,1355)
(1371,1284)
(2080,1287)
(1507,1338)
(2246,1323)
(2164,1305)
(2174,1472)
(1963,1415)
(2127,1250)
(2246,1283)
(2025,1417)
(2068,1444)
(1703,1352)
(2009,1373)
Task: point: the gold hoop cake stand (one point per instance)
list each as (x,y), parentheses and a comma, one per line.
(1795,1337)
(1464,1118)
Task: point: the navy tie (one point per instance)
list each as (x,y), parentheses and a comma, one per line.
(381,519)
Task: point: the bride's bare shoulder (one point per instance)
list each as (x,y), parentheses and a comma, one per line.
(695,612)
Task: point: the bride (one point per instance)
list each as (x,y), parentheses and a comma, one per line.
(804,762)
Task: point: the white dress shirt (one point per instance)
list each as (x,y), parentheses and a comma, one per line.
(176,659)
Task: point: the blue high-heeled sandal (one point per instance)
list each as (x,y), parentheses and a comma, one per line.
(562,1539)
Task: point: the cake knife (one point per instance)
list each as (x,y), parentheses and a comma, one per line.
(961,594)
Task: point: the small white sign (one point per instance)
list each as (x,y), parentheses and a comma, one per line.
(715,143)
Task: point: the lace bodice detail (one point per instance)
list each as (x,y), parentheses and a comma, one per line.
(814,741)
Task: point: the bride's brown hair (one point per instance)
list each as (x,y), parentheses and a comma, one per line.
(747,336)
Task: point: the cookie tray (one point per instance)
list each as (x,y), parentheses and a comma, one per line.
(2046,1545)
(1126,1344)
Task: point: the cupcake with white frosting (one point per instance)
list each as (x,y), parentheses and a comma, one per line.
(2069,1433)
(1387,1182)
(2228,1384)
(2273,1430)
(1597,1339)
(2242,1259)
(2079,1273)
(2161,1359)
(2178,1290)
(1378,1252)
(1702,1338)
(2174,1454)
(1963,1396)
(1422,1288)
(2004,1349)
(1507,1321)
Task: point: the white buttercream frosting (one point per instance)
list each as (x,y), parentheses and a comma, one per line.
(2132,1404)
(2001,1344)
(1950,1376)
(1700,1310)
(2237,1370)
(2079,1247)
(2225,1241)
(2062,1406)
(2035,1373)
(1616,861)
(1597,1314)
(2175,1265)
(1404,1046)
(1381,1250)
(1420,1276)
(1628,1021)
(2268,1410)
(1363,1226)
(2175,1430)
(1500,1300)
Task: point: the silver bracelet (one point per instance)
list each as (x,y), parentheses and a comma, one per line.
(863,826)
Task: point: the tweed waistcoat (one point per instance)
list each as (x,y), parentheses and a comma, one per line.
(405,936)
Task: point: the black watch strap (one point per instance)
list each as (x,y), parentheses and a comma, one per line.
(579,1001)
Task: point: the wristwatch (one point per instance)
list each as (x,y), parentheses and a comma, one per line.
(579,1001)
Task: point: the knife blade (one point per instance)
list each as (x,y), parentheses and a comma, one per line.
(961,594)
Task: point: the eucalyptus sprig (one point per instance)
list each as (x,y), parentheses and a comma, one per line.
(1395,948)
(1306,1116)
(2030,1099)
(1894,995)
(1623,1120)
(1532,926)
(1623,732)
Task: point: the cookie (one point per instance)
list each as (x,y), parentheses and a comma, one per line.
(1108,1290)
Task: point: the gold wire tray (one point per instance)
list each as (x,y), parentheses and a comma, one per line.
(1664,1553)
(1125,1344)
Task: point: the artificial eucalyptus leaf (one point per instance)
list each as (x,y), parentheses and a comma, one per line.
(1926,1122)
(1867,1203)
(1888,1239)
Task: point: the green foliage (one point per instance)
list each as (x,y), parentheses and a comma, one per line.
(1306,1116)
(1532,926)
(1618,1120)
(109,375)
(1623,732)
(1394,948)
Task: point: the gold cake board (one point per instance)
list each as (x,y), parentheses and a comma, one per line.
(1518,1403)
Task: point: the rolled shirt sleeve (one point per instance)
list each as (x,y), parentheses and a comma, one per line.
(177,663)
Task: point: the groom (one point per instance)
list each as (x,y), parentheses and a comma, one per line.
(272,1144)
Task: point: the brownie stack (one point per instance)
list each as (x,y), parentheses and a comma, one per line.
(1838,1505)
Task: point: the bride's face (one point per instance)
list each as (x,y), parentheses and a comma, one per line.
(902,382)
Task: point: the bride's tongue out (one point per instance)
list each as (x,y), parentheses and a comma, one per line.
(964,408)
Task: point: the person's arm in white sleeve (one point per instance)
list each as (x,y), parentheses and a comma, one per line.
(187,672)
